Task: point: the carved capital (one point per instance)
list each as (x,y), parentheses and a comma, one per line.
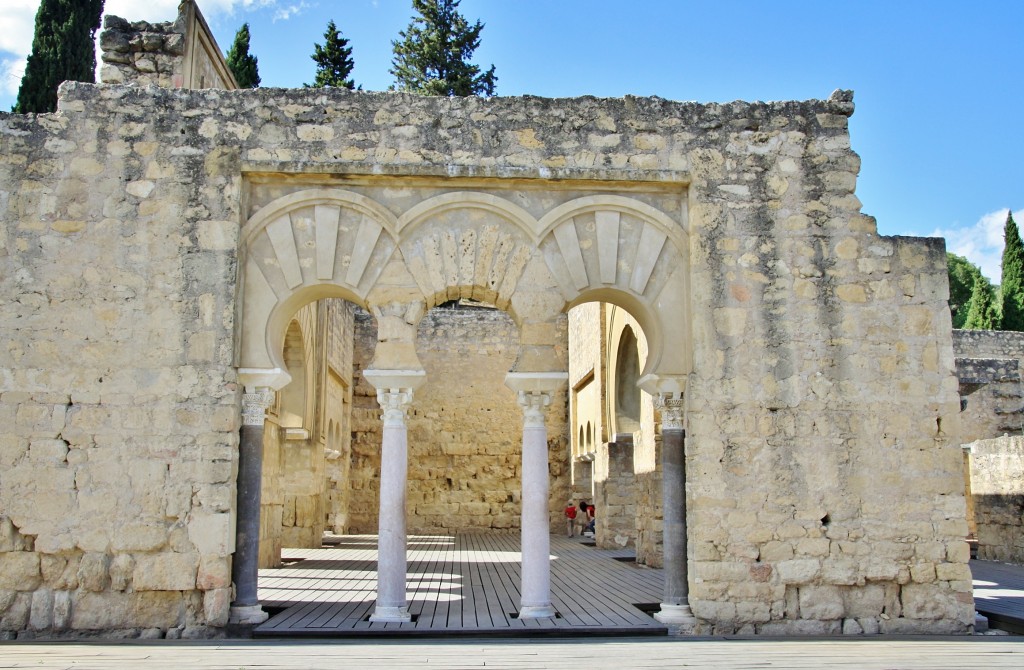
(535,405)
(671,407)
(254,405)
(394,403)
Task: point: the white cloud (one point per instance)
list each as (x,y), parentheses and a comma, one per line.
(285,13)
(17,21)
(981,243)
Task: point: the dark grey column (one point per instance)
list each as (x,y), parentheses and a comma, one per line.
(245,564)
(675,608)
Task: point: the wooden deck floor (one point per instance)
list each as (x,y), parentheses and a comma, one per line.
(999,594)
(458,584)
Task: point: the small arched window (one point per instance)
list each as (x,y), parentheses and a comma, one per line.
(627,374)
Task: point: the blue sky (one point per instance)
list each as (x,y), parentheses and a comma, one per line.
(939,85)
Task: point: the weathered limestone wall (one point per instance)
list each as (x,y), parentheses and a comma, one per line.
(586,381)
(826,488)
(173,54)
(465,429)
(117,386)
(306,457)
(988,368)
(271,495)
(338,443)
(997,487)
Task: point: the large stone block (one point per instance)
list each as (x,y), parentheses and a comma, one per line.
(165,572)
(19,571)
(212,534)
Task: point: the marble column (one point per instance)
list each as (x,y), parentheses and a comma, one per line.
(675,608)
(534,391)
(245,565)
(535,531)
(394,393)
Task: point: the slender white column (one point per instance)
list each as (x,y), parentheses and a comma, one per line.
(394,393)
(391,540)
(536,533)
(675,609)
(246,607)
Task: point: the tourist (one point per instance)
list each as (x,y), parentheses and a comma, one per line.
(570,518)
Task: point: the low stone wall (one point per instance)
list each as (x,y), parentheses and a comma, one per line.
(988,368)
(997,488)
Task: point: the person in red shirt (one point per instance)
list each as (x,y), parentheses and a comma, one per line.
(570,518)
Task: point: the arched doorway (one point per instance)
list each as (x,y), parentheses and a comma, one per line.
(533,261)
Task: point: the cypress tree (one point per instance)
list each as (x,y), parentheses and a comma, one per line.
(433,55)
(333,60)
(981,310)
(242,64)
(63,49)
(1013,277)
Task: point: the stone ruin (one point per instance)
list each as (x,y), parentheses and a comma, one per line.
(213,292)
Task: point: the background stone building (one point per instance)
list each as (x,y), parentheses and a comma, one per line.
(161,251)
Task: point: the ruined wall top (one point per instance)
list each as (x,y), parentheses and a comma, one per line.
(174,54)
(988,344)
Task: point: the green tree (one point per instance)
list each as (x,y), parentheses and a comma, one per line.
(333,60)
(1013,277)
(962,276)
(63,49)
(432,58)
(242,64)
(981,311)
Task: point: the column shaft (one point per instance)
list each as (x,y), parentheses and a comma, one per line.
(674,481)
(245,564)
(391,539)
(392,605)
(535,526)
(675,608)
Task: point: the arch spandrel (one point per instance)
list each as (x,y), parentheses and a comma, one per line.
(335,243)
(308,245)
(622,251)
(467,245)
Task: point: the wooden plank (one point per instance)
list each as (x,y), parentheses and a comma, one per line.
(468,582)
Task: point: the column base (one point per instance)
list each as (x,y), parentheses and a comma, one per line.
(383,614)
(247,614)
(536,612)
(675,614)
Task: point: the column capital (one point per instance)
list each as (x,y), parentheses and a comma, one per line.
(535,405)
(395,391)
(395,403)
(255,402)
(671,406)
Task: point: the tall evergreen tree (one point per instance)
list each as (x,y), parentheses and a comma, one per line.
(433,55)
(1013,277)
(242,64)
(981,311)
(63,49)
(962,276)
(333,60)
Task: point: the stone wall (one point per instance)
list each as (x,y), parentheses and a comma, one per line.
(586,384)
(306,459)
(988,368)
(173,54)
(997,487)
(338,443)
(826,488)
(465,429)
